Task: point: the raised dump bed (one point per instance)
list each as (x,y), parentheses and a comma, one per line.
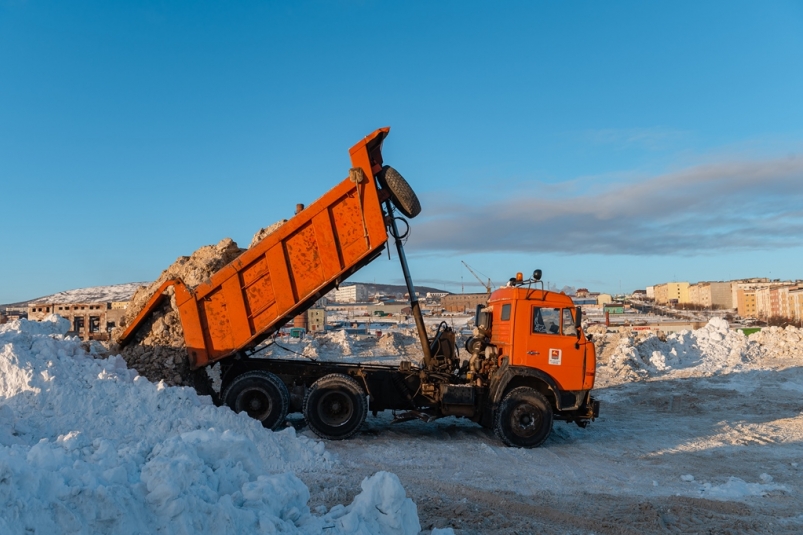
(284,274)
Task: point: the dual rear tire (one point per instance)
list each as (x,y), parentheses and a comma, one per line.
(261,394)
(335,406)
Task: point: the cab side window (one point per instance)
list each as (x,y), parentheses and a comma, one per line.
(505,316)
(546,320)
(568,323)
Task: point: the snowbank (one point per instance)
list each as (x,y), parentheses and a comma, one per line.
(713,349)
(87,446)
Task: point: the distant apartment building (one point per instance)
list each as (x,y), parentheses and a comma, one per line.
(755,298)
(316,319)
(773,300)
(356,293)
(671,292)
(651,292)
(745,284)
(712,295)
(746,303)
(89,321)
(436,295)
(796,304)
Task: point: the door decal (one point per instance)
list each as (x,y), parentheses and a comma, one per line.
(554,356)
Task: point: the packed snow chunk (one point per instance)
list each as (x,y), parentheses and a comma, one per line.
(735,489)
(442,531)
(382,508)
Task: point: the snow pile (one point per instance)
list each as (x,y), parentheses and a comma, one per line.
(707,351)
(779,342)
(88,446)
(338,342)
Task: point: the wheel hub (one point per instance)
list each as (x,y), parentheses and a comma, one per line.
(256,403)
(335,409)
(525,421)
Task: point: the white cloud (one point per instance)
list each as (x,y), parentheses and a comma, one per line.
(725,206)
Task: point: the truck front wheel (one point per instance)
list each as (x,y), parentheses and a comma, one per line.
(261,394)
(335,407)
(524,418)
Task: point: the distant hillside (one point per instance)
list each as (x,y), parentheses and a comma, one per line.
(390,289)
(123,292)
(95,294)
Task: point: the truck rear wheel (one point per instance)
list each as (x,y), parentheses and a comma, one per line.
(335,406)
(402,195)
(261,394)
(524,418)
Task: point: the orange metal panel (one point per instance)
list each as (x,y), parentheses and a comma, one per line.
(327,247)
(306,271)
(215,322)
(238,315)
(280,275)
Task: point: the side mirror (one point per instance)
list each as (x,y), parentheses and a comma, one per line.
(578,317)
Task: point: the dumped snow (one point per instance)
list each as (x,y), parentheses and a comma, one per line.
(87,446)
(157,350)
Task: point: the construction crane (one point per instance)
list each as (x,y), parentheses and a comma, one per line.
(486,285)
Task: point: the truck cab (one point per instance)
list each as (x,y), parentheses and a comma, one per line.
(546,363)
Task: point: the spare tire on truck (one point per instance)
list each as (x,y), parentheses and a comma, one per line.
(401,194)
(261,394)
(335,406)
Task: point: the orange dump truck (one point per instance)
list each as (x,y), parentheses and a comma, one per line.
(516,377)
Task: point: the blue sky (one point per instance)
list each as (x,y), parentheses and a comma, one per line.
(613,145)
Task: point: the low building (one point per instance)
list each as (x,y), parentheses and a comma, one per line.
(389,309)
(613,308)
(89,321)
(604,299)
(463,303)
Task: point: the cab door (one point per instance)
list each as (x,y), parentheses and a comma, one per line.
(551,346)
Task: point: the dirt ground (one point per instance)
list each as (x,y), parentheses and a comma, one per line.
(701,455)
